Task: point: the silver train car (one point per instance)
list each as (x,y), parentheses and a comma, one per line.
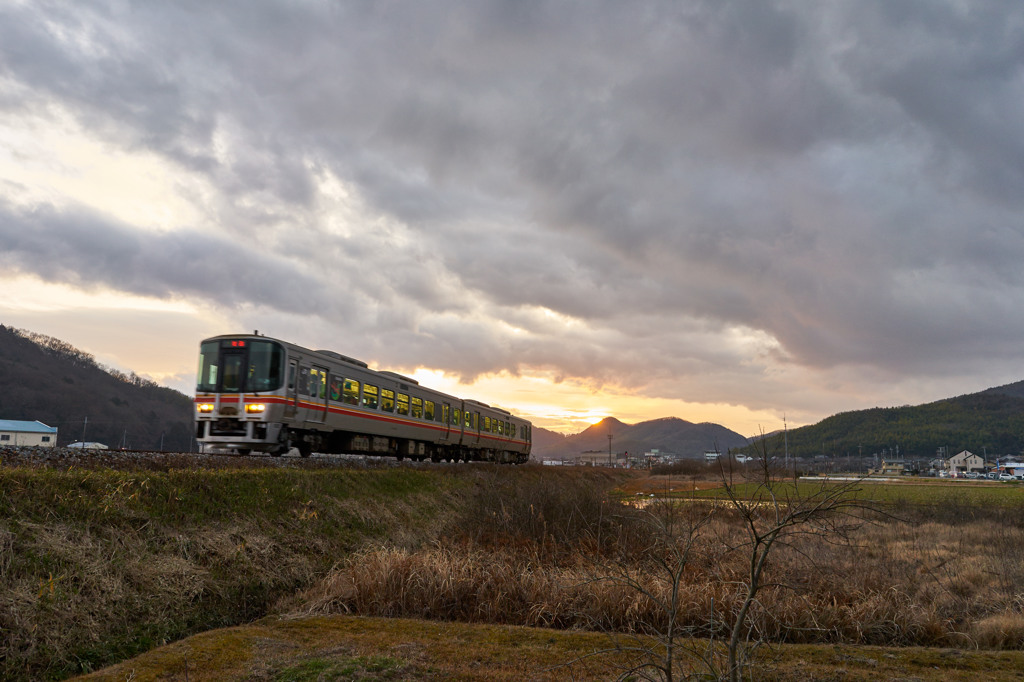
(256,393)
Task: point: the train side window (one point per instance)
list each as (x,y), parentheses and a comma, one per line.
(456,416)
(403,404)
(370,396)
(351,392)
(487,424)
(467,417)
(476,421)
(417,407)
(335,388)
(428,410)
(445,410)
(304,380)
(387,400)
(318,383)
(291,376)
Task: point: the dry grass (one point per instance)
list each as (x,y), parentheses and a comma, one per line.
(892,584)
(97,566)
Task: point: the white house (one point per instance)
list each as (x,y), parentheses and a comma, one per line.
(18,433)
(965,461)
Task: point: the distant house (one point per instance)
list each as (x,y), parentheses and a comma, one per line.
(32,434)
(890,468)
(965,461)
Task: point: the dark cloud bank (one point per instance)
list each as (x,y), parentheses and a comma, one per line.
(718,193)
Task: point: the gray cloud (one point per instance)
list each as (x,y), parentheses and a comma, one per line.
(845,179)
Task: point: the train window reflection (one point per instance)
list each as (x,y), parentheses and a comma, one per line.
(232,380)
(266,360)
(352,392)
(208,368)
(370,396)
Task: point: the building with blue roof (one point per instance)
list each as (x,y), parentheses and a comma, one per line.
(33,434)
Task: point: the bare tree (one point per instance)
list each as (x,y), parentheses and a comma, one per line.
(774,510)
(771,510)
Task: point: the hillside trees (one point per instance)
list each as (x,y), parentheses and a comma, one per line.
(49,380)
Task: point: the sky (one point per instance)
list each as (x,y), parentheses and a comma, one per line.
(740,212)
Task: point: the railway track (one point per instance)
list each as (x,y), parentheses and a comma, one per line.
(66,458)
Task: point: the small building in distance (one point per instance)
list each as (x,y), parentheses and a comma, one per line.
(31,434)
(965,461)
(889,468)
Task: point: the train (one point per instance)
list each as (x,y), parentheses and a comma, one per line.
(259,394)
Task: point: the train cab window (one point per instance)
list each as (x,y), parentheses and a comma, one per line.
(370,396)
(456,417)
(428,410)
(403,404)
(387,400)
(336,388)
(417,407)
(265,361)
(351,392)
(234,365)
(208,368)
(232,379)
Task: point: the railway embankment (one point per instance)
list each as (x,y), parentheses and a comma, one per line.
(105,555)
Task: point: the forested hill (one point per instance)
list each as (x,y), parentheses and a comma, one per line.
(48,380)
(990,422)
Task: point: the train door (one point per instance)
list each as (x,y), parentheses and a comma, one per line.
(292,407)
(318,394)
(475,428)
(457,423)
(446,419)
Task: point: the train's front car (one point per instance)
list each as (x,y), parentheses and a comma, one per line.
(240,394)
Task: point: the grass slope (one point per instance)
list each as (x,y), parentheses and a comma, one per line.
(357,648)
(99,565)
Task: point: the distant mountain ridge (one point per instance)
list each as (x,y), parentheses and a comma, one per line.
(51,381)
(668,434)
(990,422)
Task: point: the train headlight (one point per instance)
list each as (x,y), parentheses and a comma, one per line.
(205,408)
(255,408)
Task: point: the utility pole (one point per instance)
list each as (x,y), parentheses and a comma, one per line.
(84,424)
(785,442)
(610,446)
